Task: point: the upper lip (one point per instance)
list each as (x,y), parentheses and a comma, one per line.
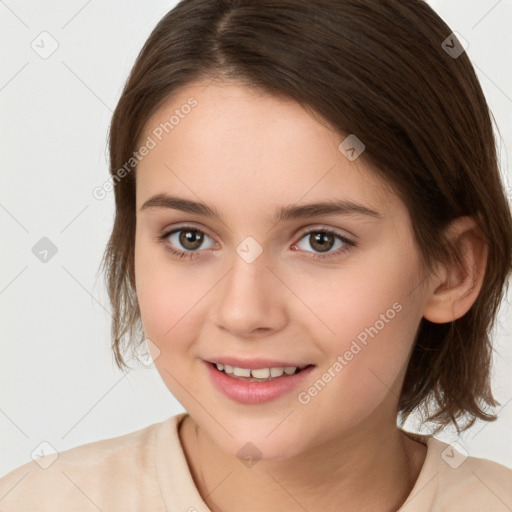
(253,364)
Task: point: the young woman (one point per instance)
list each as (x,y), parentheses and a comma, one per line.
(312,238)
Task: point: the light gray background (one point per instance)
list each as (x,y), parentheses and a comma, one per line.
(58,380)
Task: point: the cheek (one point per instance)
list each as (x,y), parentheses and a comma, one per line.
(369,318)
(165,294)
(361,297)
(169,305)
(363,372)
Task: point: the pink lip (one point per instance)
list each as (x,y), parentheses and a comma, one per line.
(252,364)
(248,392)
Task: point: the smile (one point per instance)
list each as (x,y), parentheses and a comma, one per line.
(248,389)
(257,374)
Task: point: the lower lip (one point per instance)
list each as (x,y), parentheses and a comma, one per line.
(248,392)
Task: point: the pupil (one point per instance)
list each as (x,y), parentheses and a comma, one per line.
(323,240)
(191,237)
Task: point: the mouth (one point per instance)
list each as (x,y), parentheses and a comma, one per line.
(259,384)
(263,374)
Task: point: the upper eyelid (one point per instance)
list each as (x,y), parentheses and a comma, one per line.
(167,232)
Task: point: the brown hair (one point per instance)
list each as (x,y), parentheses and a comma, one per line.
(373,68)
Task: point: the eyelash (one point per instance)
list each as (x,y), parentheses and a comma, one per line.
(317,256)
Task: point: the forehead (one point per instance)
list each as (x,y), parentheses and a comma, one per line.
(228,144)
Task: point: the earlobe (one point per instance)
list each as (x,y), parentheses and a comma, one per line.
(456,287)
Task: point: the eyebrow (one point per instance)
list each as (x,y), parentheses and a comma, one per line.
(330,207)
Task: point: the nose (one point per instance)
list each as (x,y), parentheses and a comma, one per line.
(250,300)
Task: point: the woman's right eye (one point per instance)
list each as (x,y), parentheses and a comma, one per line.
(186,237)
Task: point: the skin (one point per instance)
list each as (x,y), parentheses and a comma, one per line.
(246,154)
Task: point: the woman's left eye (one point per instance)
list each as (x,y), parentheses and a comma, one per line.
(323,240)
(191,239)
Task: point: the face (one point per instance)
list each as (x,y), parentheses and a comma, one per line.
(334,289)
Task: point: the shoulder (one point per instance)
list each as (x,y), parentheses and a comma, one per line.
(472,483)
(92,475)
(452,480)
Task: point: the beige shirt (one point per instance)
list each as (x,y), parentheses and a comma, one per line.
(146,470)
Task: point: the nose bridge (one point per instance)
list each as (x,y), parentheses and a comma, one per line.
(248,276)
(247,298)
(248,263)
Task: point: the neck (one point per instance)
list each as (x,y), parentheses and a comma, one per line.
(366,470)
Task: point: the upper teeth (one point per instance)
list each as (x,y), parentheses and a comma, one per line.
(260,373)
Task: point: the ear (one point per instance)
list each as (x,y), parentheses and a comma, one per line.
(454,287)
